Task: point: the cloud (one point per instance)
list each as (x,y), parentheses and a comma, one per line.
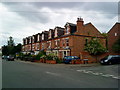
(21,20)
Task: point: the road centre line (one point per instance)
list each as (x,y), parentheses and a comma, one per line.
(51,73)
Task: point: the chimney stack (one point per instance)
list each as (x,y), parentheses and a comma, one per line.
(80,23)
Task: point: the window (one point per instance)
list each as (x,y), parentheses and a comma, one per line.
(115,34)
(67,30)
(37,46)
(33,39)
(42,36)
(49,44)
(26,41)
(86,41)
(50,34)
(30,40)
(67,41)
(38,38)
(58,42)
(42,45)
(33,46)
(56,32)
(55,43)
(63,42)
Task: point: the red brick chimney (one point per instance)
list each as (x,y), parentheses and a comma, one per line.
(80,23)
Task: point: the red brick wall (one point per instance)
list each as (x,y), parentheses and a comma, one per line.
(111,36)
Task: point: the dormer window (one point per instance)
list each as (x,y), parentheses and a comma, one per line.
(33,39)
(67,30)
(38,38)
(50,34)
(30,40)
(42,36)
(56,32)
(26,41)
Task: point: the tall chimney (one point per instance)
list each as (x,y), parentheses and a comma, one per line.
(80,23)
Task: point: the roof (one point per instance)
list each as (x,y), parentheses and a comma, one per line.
(117,23)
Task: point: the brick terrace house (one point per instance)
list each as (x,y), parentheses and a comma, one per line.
(67,41)
(113,36)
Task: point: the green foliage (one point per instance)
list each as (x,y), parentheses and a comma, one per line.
(105,35)
(57,59)
(116,46)
(40,55)
(94,47)
(11,49)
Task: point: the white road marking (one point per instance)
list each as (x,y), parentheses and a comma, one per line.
(97,73)
(51,73)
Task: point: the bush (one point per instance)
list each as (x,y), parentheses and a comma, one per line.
(40,55)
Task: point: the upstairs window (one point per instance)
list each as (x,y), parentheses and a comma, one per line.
(42,36)
(58,42)
(63,42)
(33,39)
(115,34)
(56,32)
(67,41)
(38,38)
(55,43)
(42,45)
(26,41)
(67,30)
(50,34)
(49,44)
(30,40)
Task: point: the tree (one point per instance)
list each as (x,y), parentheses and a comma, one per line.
(94,47)
(11,49)
(11,41)
(18,48)
(106,36)
(116,46)
(5,50)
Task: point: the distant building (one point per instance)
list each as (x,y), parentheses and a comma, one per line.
(67,41)
(113,36)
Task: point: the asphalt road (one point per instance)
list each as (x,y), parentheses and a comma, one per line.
(20,74)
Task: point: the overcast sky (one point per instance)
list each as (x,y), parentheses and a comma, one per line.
(23,19)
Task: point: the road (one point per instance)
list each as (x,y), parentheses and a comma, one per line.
(21,74)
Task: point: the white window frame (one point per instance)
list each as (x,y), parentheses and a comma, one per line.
(30,40)
(42,45)
(33,39)
(38,38)
(49,44)
(50,34)
(56,32)
(26,41)
(42,36)
(115,34)
(67,42)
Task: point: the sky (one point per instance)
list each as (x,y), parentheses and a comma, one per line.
(21,19)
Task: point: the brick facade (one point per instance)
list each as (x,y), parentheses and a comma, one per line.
(113,36)
(68,41)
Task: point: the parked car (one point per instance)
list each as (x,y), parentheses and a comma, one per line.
(4,57)
(10,58)
(111,59)
(68,59)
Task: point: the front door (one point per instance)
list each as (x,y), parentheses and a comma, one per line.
(64,53)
